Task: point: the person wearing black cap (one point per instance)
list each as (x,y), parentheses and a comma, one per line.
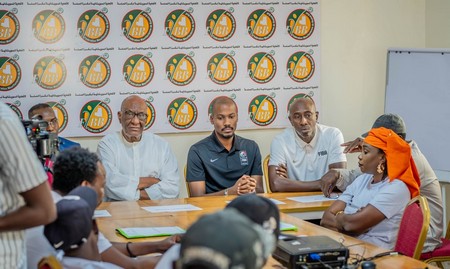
(429,187)
(75,231)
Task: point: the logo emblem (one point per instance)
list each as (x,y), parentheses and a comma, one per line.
(94,71)
(9,26)
(261,24)
(222,68)
(262,110)
(182,113)
(300,66)
(180,25)
(221,25)
(181,69)
(213,160)
(138,70)
(50,72)
(151,115)
(262,67)
(299,96)
(137,25)
(93,26)
(10,73)
(300,24)
(16,110)
(243,157)
(61,114)
(95,116)
(49,26)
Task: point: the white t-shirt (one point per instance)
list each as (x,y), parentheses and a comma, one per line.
(390,198)
(167,259)
(125,162)
(78,263)
(307,162)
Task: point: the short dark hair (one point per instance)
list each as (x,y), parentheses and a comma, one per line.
(73,166)
(36,107)
(222,100)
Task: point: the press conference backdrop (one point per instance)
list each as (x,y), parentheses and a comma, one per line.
(418,89)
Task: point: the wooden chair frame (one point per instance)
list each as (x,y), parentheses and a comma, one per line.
(266,173)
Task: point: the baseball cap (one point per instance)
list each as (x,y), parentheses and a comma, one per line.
(390,121)
(223,240)
(260,210)
(73,224)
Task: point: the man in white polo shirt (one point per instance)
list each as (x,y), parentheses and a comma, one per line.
(302,154)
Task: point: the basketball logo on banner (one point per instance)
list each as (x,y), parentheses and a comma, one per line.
(300,24)
(138,70)
(61,114)
(95,116)
(93,25)
(182,113)
(94,71)
(9,26)
(300,66)
(261,24)
(10,73)
(221,25)
(262,67)
(137,25)
(16,109)
(262,110)
(181,69)
(151,114)
(49,26)
(180,25)
(222,68)
(50,72)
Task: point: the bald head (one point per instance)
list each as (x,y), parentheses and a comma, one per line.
(306,99)
(303,117)
(132,100)
(133,117)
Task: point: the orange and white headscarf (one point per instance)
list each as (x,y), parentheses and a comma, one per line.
(398,157)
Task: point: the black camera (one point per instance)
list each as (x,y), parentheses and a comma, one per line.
(45,144)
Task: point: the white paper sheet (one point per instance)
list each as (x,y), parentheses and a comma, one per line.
(313,198)
(137,232)
(171,208)
(277,202)
(101,214)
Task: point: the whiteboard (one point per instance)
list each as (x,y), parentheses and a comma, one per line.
(418,89)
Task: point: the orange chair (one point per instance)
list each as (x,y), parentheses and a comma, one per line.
(188,190)
(413,228)
(440,254)
(266,173)
(49,262)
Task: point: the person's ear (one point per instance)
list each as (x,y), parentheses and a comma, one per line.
(85,183)
(211,118)
(119,116)
(317,115)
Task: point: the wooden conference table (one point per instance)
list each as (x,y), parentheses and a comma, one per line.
(130,214)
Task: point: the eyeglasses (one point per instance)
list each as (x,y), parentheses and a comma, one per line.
(128,115)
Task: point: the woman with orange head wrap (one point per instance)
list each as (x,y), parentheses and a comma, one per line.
(371,208)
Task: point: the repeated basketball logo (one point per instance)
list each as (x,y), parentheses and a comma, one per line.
(93,25)
(95,116)
(10,73)
(138,70)
(49,26)
(16,109)
(9,26)
(262,110)
(181,69)
(220,24)
(151,112)
(222,68)
(50,72)
(262,67)
(300,24)
(182,113)
(61,114)
(180,25)
(94,71)
(137,25)
(300,66)
(261,24)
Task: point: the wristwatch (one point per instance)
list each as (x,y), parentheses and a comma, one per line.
(225,192)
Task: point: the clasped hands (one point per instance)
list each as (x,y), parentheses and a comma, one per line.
(245,184)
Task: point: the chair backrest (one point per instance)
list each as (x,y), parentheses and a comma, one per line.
(49,262)
(413,228)
(266,173)
(188,191)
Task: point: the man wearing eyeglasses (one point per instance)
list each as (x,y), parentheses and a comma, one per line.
(45,112)
(138,165)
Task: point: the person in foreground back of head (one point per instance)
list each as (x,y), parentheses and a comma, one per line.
(371,208)
(76,232)
(223,240)
(429,184)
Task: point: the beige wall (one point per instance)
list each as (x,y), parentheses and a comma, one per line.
(355,36)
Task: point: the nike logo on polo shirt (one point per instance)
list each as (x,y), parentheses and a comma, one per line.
(213,160)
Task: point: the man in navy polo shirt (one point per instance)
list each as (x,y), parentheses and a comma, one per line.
(224,163)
